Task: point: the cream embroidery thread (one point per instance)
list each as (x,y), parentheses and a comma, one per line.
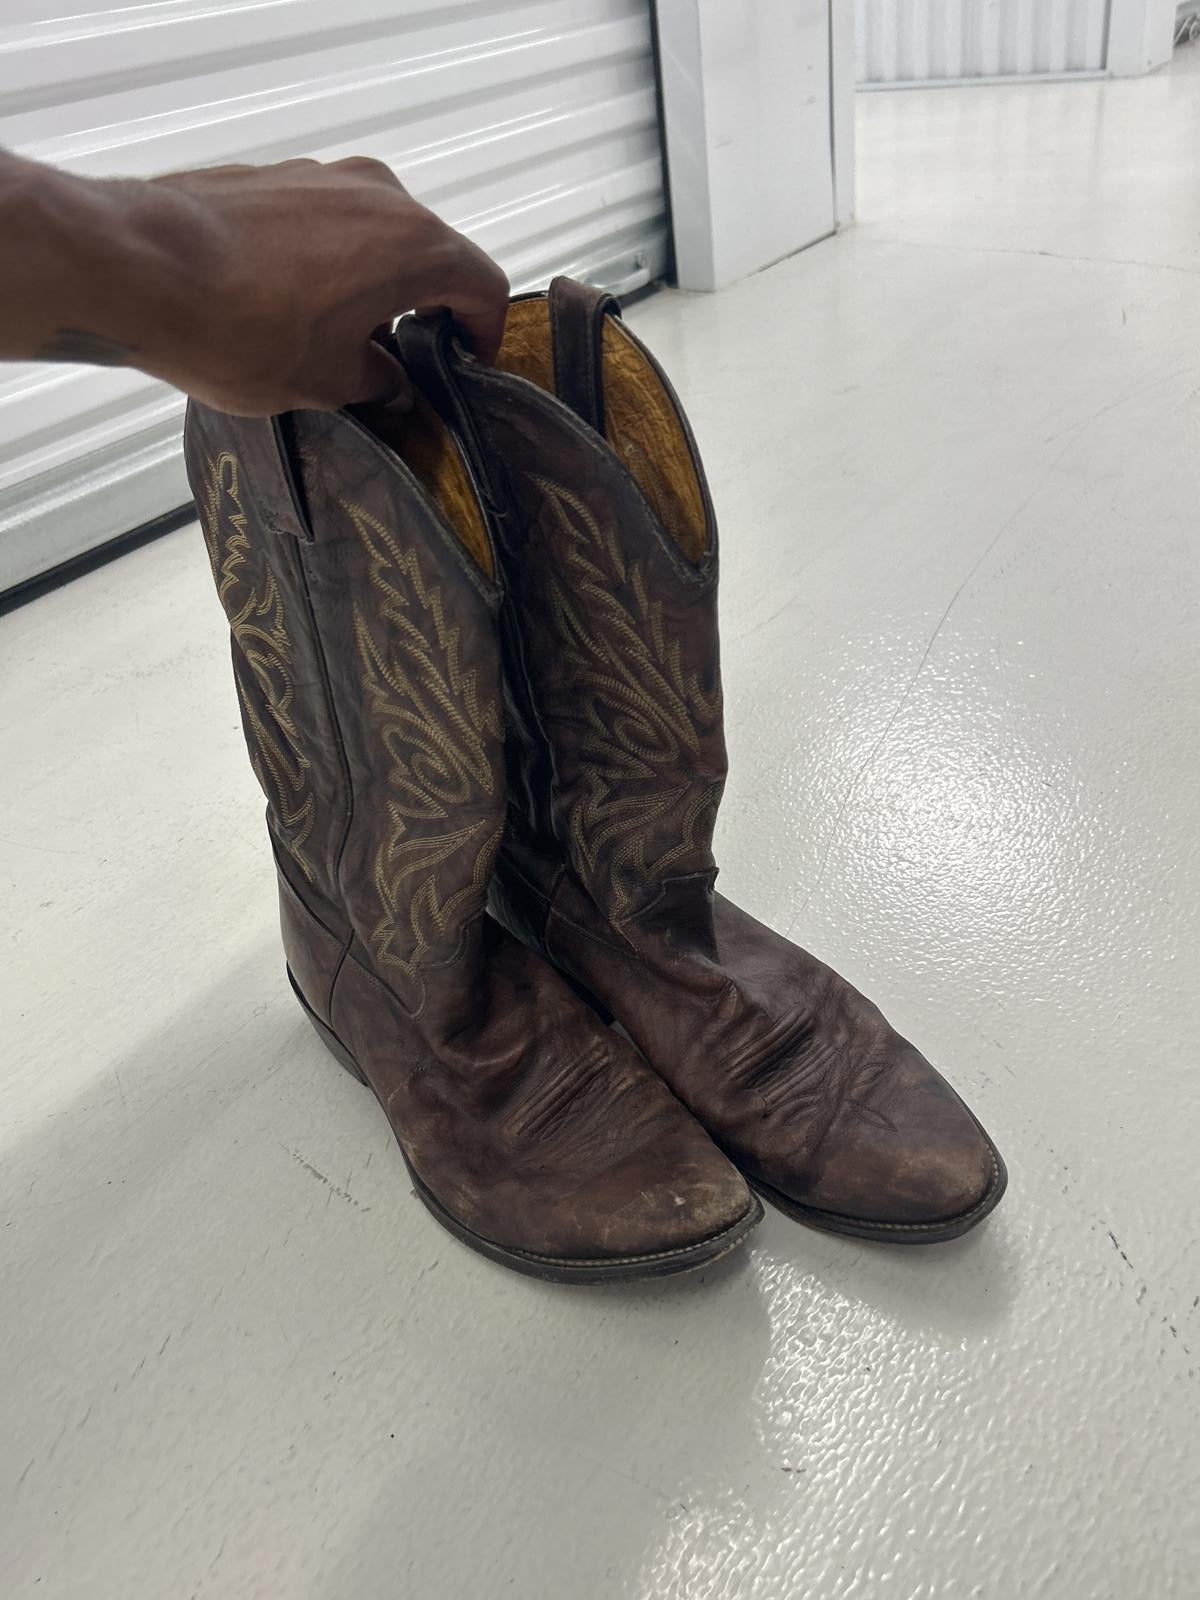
(638,712)
(441,736)
(258,623)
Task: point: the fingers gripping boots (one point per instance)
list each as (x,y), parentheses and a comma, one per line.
(362,604)
(617,762)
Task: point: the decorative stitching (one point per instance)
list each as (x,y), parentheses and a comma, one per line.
(622,683)
(440,734)
(258,621)
(533,1116)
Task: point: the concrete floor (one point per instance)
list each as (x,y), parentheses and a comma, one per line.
(955,455)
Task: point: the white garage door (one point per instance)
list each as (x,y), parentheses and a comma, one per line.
(931,41)
(532,125)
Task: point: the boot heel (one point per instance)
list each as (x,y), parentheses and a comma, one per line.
(327,1037)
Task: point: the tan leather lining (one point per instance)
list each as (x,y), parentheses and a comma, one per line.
(643,427)
(641,422)
(428,449)
(526,351)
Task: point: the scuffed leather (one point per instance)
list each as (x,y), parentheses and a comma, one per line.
(534,1125)
(612,656)
(529,1122)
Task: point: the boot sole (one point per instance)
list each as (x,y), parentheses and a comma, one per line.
(550,1269)
(855,1227)
(892,1232)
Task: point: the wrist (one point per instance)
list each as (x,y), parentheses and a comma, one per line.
(50,284)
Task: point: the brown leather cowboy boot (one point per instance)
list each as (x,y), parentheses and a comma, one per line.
(358,582)
(617,763)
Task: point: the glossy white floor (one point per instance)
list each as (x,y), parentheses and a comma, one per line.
(955,457)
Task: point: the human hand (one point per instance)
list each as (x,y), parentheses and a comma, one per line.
(255,289)
(295,267)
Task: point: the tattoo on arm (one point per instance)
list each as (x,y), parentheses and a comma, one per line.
(77,344)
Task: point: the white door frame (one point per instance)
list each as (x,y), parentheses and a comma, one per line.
(1140,35)
(758,123)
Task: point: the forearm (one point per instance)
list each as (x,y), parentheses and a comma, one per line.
(76,267)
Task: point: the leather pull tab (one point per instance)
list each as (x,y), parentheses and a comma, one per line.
(432,357)
(577,315)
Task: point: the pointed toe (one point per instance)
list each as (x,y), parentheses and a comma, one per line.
(914,1166)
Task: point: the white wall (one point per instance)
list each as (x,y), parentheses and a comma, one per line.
(748,117)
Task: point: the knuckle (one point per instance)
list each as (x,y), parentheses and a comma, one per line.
(365,167)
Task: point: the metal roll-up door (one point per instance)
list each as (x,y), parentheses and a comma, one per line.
(531,125)
(952,41)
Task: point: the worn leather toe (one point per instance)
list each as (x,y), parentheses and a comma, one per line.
(668,1196)
(910,1157)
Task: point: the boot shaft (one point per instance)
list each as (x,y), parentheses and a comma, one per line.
(367,663)
(608,550)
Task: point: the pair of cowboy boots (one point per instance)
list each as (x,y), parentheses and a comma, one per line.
(476,651)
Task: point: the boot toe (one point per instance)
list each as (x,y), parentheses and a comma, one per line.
(671,1197)
(911,1164)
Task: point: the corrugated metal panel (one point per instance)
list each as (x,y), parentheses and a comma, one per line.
(531,125)
(927,41)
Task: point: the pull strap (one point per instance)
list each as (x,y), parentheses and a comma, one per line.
(577,314)
(432,357)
